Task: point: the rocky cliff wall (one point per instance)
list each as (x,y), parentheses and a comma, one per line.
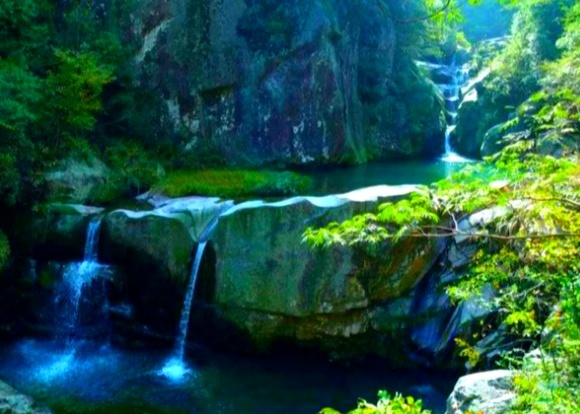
(283,83)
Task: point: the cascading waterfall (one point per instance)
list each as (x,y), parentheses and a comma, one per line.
(76,278)
(452,93)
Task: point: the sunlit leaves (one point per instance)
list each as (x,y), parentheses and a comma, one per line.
(527,236)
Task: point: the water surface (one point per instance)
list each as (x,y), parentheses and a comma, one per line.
(101,380)
(342,180)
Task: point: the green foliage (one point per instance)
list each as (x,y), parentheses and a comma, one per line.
(74,92)
(55,68)
(522,211)
(558,119)
(534,33)
(232,183)
(387,404)
(21,93)
(23,26)
(4,251)
(134,170)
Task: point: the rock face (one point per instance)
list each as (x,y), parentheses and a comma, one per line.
(260,285)
(13,402)
(261,281)
(481,109)
(475,116)
(281,83)
(273,286)
(489,392)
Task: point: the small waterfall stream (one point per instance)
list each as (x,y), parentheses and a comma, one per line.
(77,275)
(176,368)
(184,322)
(459,77)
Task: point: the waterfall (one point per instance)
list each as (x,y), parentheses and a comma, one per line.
(184,322)
(68,301)
(92,240)
(459,76)
(77,275)
(176,369)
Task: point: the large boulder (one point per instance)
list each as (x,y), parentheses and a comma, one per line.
(261,284)
(281,83)
(489,392)
(476,114)
(14,402)
(262,265)
(273,287)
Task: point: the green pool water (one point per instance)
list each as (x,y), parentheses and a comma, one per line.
(341,180)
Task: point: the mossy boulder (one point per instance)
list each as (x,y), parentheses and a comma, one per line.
(492,140)
(272,286)
(477,113)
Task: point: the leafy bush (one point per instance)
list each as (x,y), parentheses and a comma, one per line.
(387,404)
(232,183)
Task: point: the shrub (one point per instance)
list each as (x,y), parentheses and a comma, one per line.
(386,405)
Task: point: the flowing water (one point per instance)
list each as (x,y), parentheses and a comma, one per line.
(76,315)
(176,368)
(76,277)
(86,376)
(452,93)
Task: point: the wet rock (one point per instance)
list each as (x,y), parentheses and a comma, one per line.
(164,237)
(476,115)
(13,402)
(261,263)
(489,392)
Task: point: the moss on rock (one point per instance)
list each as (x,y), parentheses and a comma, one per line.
(232,183)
